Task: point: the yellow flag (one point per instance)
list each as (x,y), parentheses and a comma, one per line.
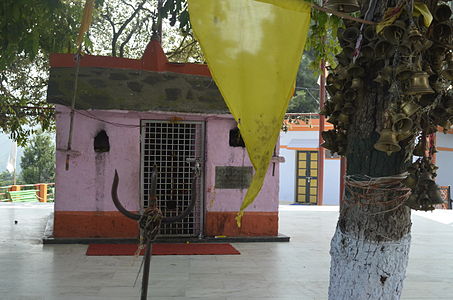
(253,49)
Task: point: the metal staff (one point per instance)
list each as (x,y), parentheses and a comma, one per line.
(151,219)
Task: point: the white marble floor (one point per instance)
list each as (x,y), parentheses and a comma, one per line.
(295,270)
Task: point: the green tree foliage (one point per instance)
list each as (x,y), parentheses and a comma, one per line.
(303,102)
(306,98)
(38,160)
(31,27)
(6,178)
(29,31)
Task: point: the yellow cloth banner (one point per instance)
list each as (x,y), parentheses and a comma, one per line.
(86,20)
(420,8)
(253,49)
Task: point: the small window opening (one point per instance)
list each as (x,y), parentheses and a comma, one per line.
(101,142)
(236,138)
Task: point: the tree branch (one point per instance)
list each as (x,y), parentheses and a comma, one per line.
(125,23)
(128,37)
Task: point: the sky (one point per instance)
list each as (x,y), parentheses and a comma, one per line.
(5,148)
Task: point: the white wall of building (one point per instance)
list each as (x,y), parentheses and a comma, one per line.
(444,159)
(306,139)
(331,182)
(287,176)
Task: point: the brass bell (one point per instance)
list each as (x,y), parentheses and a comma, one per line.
(419,84)
(334,118)
(447,73)
(330,146)
(329,140)
(442,13)
(401,136)
(418,150)
(350,95)
(401,123)
(426,176)
(332,79)
(351,34)
(442,32)
(394,33)
(370,33)
(331,90)
(346,6)
(338,106)
(329,135)
(403,72)
(448,104)
(410,108)
(387,142)
(341,138)
(342,58)
(404,50)
(424,202)
(367,51)
(414,34)
(384,76)
(356,71)
(439,114)
(338,98)
(411,181)
(427,99)
(356,83)
(348,108)
(445,124)
(412,201)
(433,193)
(343,119)
(384,49)
(349,51)
(437,51)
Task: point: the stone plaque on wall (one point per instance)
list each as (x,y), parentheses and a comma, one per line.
(233,177)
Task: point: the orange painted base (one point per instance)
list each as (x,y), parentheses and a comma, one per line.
(91,224)
(112,224)
(253,224)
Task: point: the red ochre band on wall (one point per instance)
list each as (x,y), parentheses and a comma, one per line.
(112,224)
(444,149)
(154,59)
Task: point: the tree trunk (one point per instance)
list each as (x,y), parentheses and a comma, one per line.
(370,248)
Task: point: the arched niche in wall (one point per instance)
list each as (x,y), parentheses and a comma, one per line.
(101,142)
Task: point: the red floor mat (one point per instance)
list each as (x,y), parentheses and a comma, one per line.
(162,249)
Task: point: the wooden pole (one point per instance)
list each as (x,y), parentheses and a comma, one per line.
(321,150)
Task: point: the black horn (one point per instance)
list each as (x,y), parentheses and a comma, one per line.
(117,202)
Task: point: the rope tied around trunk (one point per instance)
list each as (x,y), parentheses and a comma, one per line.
(365,191)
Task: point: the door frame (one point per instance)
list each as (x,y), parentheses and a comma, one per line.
(201,179)
(296,175)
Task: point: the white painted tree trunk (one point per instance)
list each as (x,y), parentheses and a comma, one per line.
(364,270)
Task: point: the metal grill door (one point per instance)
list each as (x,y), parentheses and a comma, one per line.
(173,147)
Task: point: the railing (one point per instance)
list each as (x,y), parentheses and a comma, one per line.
(445,192)
(45,192)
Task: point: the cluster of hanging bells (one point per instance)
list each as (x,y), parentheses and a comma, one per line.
(415,64)
(425,192)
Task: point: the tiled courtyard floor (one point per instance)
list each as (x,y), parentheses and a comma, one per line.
(295,270)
